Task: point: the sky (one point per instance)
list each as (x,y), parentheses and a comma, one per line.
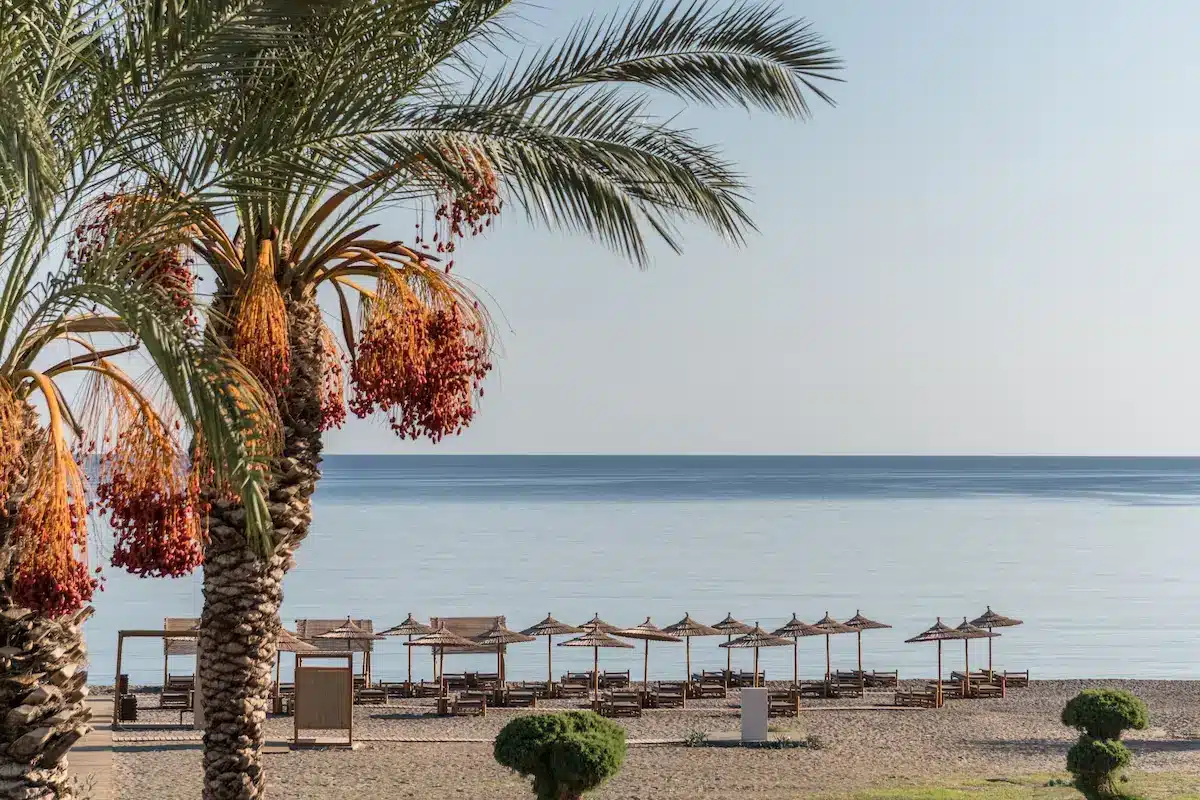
(983,249)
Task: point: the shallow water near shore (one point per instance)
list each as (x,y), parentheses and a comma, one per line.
(1096,555)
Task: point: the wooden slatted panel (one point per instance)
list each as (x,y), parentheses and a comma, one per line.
(468,628)
(310,629)
(324,698)
(179,647)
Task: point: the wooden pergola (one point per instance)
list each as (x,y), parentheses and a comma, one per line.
(140,634)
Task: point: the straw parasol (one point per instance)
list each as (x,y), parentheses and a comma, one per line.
(349,632)
(686,628)
(287,642)
(597,624)
(756,638)
(441,639)
(647,632)
(595,639)
(550,627)
(969,632)
(939,633)
(793,630)
(829,626)
(860,624)
(499,636)
(410,628)
(990,619)
(730,627)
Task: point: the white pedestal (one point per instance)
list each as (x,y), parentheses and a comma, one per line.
(754,715)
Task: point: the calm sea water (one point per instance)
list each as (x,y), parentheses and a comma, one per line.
(1099,557)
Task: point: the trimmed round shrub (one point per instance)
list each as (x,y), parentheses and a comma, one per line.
(1094,763)
(565,754)
(1106,713)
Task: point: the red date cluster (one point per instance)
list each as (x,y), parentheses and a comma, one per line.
(422,366)
(151,503)
(468,213)
(333,384)
(51,528)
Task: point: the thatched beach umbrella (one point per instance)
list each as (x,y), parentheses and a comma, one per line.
(731,628)
(288,642)
(829,626)
(595,639)
(969,632)
(793,630)
(756,638)
(647,632)
(939,633)
(860,624)
(550,627)
(597,624)
(351,634)
(441,639)
(498,637)
(685,629)
(990,619)
(410,628)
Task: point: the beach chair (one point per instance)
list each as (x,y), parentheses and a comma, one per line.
(919,698)
(621,703)
(518,697)
(614,680)
(485,680)
(812,689)
(668,694)
(470,704)
(746,679)
(709,689)
(370,696)
(574,687)
(456,681)
(877,679)
(393,690)
(784,703)
(425,688)
(540,688)
(1016,680)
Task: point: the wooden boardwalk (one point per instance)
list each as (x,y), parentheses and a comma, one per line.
(91,759)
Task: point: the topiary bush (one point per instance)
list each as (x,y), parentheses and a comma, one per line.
(1106,713)
(1101,716)
(565,754)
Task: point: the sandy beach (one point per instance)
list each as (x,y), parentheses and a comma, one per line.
(862,748)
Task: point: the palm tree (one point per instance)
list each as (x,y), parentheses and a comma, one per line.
(378,89)
(79,94)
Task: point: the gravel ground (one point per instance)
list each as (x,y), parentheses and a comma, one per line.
(863,748)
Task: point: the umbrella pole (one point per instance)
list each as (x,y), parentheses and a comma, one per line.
(549,664)
(756,668)
(796,663)
(646,667)
(687,649)
(862,678)
(828,660)
(989,654)
(410,659)
(278,669)
(967,665)
(500,663)
(596,672)
(728,659)
(939,680)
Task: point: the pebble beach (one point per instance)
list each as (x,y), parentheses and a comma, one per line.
(406,752)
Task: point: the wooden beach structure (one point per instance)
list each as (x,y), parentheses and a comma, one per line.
(685,629)
(648,632)
(311,631)
(410,627)
(731,627)
(860,624)
(596,638)
(324,700)
(990,620)
(795,629)
(938,632)
(120,685)
(830,627)
(757,638)
(550,627)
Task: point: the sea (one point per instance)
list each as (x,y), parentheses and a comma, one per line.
(1099,557)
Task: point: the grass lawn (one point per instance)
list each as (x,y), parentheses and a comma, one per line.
(1151,786)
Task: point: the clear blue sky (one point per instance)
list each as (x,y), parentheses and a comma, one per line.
(983,249)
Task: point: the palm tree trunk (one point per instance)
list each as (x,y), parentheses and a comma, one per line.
(42,686)
(243,591)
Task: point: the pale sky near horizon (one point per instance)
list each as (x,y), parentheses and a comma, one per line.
(982,249)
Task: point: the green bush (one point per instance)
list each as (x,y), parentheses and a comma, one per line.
(1102,715)
(1106,713)
(565,754)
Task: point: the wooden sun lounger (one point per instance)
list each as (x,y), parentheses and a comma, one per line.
(783,704)
(877,679)
(370,695)
(668,695)
(469,704)
(1016,680)
(744,678)
(812,689)
(485,680)
(924,698)
(427,689)
(621,703)
(392,689)
(614,680)
(456,681)
(709,689)
(520,698)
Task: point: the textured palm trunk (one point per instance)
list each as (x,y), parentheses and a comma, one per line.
(42,687)
(243,591)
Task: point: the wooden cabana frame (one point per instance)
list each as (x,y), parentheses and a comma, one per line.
(165,635)
(310,630)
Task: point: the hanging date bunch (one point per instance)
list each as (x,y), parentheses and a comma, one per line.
(150,497)
(50,534)
(465,213)
(116,220)
(422,362)
(11,430)
(333,382)
(260,335)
